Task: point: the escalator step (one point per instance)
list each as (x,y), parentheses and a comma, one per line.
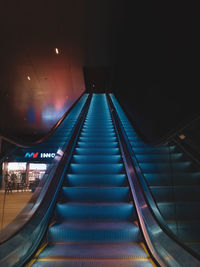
(97,134)
(192,178)
(94,232)
(96,168)
(176,193)
(98,139)
(97,151)
(97,144)
(166,167)
(96,159)
(91,180)
(162,158)
(93,263)
(98,250)
(95,211)
(153,150)
(103,194)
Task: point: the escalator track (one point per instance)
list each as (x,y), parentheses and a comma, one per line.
(173,181)
(94,222)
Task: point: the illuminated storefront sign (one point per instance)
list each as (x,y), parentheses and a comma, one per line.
(47,155)
(31,155)
(41,155)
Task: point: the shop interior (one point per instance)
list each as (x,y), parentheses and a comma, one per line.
(21,176)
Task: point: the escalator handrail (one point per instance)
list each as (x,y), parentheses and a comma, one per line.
(148,194)
(23,144)
(16,250)
(145,214)
(150,199)
(154,208)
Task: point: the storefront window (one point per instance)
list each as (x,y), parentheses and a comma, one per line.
(22,175)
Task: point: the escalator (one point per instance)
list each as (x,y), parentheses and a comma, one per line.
(95,221)
(174,183)
(92,208)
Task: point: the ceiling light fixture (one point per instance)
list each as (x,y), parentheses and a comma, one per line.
(57,51)
(182,136)
(29,78)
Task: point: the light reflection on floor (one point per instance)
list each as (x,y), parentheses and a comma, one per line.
(11,204)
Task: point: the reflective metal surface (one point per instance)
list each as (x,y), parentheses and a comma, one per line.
(165,249)
(28,228)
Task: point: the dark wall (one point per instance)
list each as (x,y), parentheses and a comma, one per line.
(156,73)
(37,85)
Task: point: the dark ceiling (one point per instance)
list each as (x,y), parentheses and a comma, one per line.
(150,48)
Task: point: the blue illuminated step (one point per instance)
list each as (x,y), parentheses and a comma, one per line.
(98,134)
(176,193)
(180,210)
(104,122)
(91,180)
(96,168)
(97,151)
(95,194)
(97,159)
(94,232)
(98,139)
(166,167)
(98,127)
(154,150)
(156,179)
(97,144)
(151,158)
(93,211)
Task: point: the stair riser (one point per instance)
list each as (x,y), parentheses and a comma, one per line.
(98,139)
(97,151)
(159,158)
(169,168)
(167,179)
(176,194)
(180,211)
(95,194)
(96,169)
(71,212)
(97,144)
(98,180)
(96,159)
(63,235)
